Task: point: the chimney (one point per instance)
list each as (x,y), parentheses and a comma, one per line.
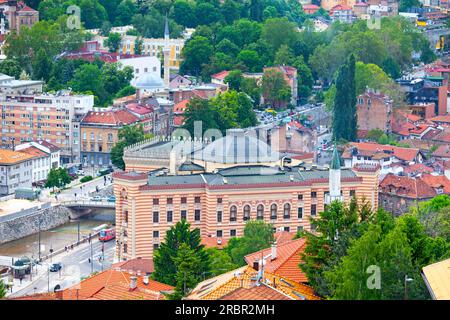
(59,294)
(256,265)
(146,279)
(133,283)
(274,251)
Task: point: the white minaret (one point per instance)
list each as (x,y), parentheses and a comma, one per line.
(166,52)
(334,179)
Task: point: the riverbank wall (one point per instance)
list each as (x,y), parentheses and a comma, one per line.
(27,222)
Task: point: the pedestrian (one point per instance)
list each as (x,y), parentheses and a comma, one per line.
(65,248)
(71,246)
(56,197)
(75,194)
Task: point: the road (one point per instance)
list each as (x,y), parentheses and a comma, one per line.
(77,192)
(76,266)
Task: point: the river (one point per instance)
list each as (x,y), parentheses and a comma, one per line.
(56,238)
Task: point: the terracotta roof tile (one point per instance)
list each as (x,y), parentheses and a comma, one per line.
(136,265)
(370,149)
(409,187)
(114,118)
(286,262)
(220,75)
(115,285)
(35,152)
(9,157)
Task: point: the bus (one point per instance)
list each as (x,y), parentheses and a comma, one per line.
(107,235)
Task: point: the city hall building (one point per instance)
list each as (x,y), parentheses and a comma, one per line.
(219,203)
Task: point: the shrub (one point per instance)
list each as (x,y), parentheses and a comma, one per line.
(86,179)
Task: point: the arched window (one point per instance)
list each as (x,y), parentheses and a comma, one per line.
(260,212)
(233,213)
(287,211)
(273,212)
(246,213)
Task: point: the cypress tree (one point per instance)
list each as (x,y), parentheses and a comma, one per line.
(344,105)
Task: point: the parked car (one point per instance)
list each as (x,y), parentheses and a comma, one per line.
(80,172)
(55,267)
(111,199)
(96,198)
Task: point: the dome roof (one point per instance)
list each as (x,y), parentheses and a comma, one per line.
(149,81)
(237,147)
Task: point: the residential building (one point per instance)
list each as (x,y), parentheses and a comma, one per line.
(321,24)
(41,162)
(222,201)
(247,283)
(360,9)
(15,171)
(99,131)
(442,152)
(382,155)
(219,78)
(426,90)
(310,8)
(178,113)
(29,114)
(178,81)
(342,13)
(398,193)
(374,111)
(437,279)
(15,14)
(294,138)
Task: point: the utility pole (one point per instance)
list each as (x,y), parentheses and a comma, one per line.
(39,239)
(92,259)
(78,231)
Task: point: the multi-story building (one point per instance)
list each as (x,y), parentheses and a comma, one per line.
(15,171)
(15,14)
(221,202)
(29,114)
(142,65)
(374,111)
(99,131)
(342,13)
(45,157)
(378,154)
(151,47)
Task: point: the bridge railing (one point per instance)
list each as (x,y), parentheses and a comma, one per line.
(87,203)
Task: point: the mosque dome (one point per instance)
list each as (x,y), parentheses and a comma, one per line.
(149,81)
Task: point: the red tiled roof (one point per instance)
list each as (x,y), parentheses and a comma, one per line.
(410,187)
(136,265)
(115,285)
(139,109)
(442,152)
(371,148)
(35,152)
(113,118)
(178,121)
(48,145)
(417,168)
(435,182)
(181,106)
(340,7)
(286,262)
(220,75)
(213,242)
(441,118)
(27,9)
(261,292)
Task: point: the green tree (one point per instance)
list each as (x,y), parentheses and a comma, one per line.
(87,78)
(196,52)
(344,105)
(42,66)
(258,235)
(128,135)
(165,257)
(275,89)
(186,263)
(234,80)
(184,13)
(220,262)
(113,41)
(407,4)
(11,68)
(284,56)
(2,289)
(278,32)
(250,59)
(203,111)
(57,177)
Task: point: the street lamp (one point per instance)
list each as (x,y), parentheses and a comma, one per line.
(407,279)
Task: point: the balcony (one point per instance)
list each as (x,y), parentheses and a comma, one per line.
(124,224)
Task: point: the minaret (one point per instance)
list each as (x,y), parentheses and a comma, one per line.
(166,52)
(335,178)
